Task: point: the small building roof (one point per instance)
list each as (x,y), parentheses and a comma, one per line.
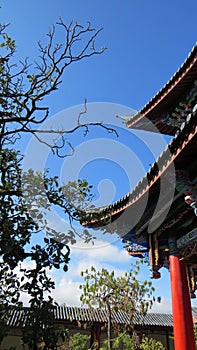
(18,318)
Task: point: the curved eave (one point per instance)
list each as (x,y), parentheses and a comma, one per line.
(97,217)
(166,98)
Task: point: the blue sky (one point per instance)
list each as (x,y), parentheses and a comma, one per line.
(146,42)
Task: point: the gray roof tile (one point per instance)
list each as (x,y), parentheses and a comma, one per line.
(18,318)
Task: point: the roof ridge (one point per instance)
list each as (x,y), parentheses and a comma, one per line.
(175,76)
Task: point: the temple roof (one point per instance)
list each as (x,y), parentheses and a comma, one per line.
(156,207)
(153,116)
(181,152)
(173,110)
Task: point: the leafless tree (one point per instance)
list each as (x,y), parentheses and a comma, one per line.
(23,87)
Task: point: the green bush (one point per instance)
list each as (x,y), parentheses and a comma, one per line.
(82,342)
(79,341)
(123,341)
(151,344)
(195,333)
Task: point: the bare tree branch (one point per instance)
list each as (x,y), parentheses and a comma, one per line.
(22,92)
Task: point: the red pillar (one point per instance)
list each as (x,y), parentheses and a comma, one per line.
(181,305)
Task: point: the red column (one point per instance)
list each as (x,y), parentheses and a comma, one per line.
(181,305)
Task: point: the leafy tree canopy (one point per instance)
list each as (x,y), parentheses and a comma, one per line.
(102,289)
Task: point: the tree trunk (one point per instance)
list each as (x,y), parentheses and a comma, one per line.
(109,326)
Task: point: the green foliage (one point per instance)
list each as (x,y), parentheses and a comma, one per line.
(78,193)
(125,293)
(102,289)
(24,198)
(41,192)
(16,248)
(151,344)
(126,342)
(195,333)
(123,341)
(44,330)
(79,341)
(20,220)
